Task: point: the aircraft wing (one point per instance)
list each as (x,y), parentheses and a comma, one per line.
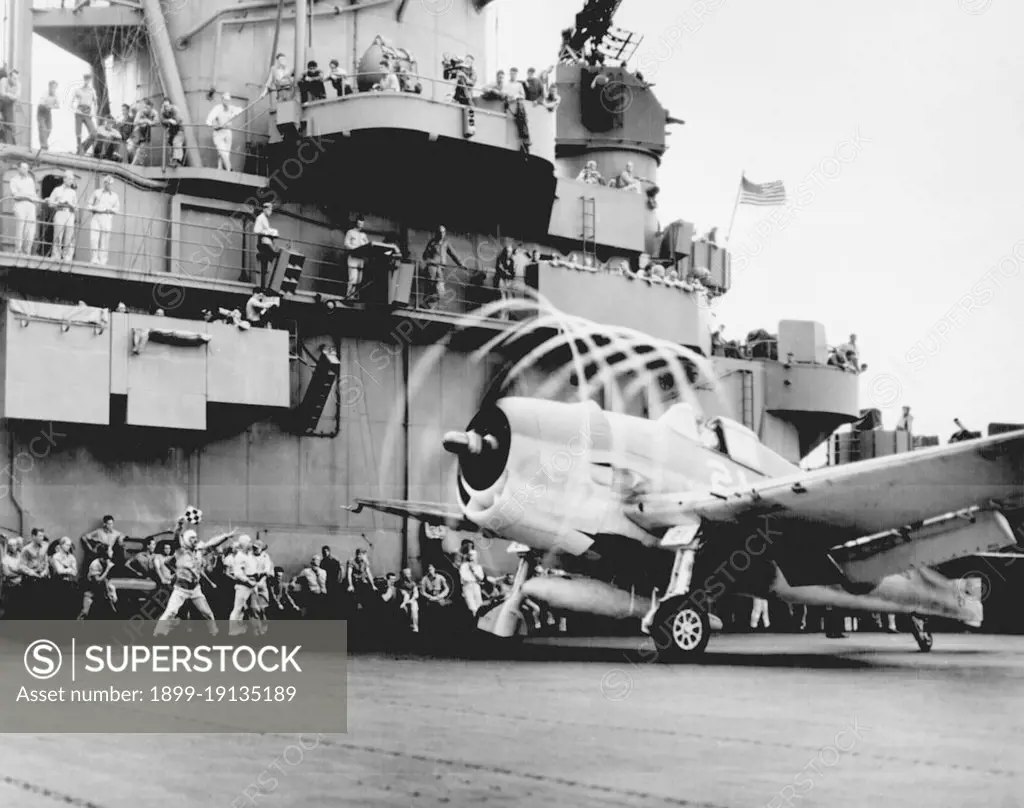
(863,498)
(433,513)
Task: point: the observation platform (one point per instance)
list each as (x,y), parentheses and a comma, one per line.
(410,153)
(184,252)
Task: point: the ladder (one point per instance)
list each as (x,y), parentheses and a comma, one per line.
(292,327)
(588,237)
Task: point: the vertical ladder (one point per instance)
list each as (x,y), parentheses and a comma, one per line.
(588,237)
(293,338)
(747,381)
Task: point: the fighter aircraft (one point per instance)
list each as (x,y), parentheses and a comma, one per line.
(660,518)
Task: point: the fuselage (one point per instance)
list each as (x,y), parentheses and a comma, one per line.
(559,478)
(564,471)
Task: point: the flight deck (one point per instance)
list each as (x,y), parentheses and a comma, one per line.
(758,721)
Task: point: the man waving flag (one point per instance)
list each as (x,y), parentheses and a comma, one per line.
(766,194)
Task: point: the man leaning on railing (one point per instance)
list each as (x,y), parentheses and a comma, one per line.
(145,119)
(174,135)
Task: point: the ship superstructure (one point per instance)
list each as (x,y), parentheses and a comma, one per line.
(119,395)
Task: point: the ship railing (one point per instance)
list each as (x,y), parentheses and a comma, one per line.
(430,88)
(19,130)
(247,150)
(189,252)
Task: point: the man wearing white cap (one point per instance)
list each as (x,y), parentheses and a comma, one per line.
(243,572)
(103,205)
(188,571)
(64,200)
(218,120)
(260,599)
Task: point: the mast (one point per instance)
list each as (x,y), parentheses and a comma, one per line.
(300,39)
(163,53)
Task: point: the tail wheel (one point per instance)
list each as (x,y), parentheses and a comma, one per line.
(921,633)
(682,630)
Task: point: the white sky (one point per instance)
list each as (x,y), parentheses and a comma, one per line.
(885,244)
(899,235)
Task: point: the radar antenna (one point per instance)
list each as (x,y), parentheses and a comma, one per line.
(594,40)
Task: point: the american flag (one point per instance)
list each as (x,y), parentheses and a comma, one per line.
(764,194)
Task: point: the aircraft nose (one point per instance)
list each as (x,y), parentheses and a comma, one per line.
(471,442)
(482,448)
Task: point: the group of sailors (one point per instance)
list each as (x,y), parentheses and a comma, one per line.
(761,344)
(232,576)
(40,578)
(625,180)
(534,89)
(64,205)
(395,76)
(125,139)
(128,138)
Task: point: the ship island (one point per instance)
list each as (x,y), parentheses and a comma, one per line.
(277,211)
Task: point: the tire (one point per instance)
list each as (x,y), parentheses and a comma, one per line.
(921,633)
(682,631)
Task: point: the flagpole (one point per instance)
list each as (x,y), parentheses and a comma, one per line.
(736,206)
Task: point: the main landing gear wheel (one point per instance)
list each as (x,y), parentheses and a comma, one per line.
(921,633)
(681,631)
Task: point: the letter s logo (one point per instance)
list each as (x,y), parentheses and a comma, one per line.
(43,659)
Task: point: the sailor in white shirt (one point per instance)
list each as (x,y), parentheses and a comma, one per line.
(23,189)
(266,252)
(354,239)
(84,103)
(218,120)
(849,352)
(260,600)
(389,81)
(104,204)
(471,574)
(514,89)
(64,200)
(280,79)
(242,570)
(590,174)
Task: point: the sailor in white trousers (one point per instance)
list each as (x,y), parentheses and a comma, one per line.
(64,200)
(471,574)
(243,571)
(759,612)
(218,120)
(104,205)
(23,190)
